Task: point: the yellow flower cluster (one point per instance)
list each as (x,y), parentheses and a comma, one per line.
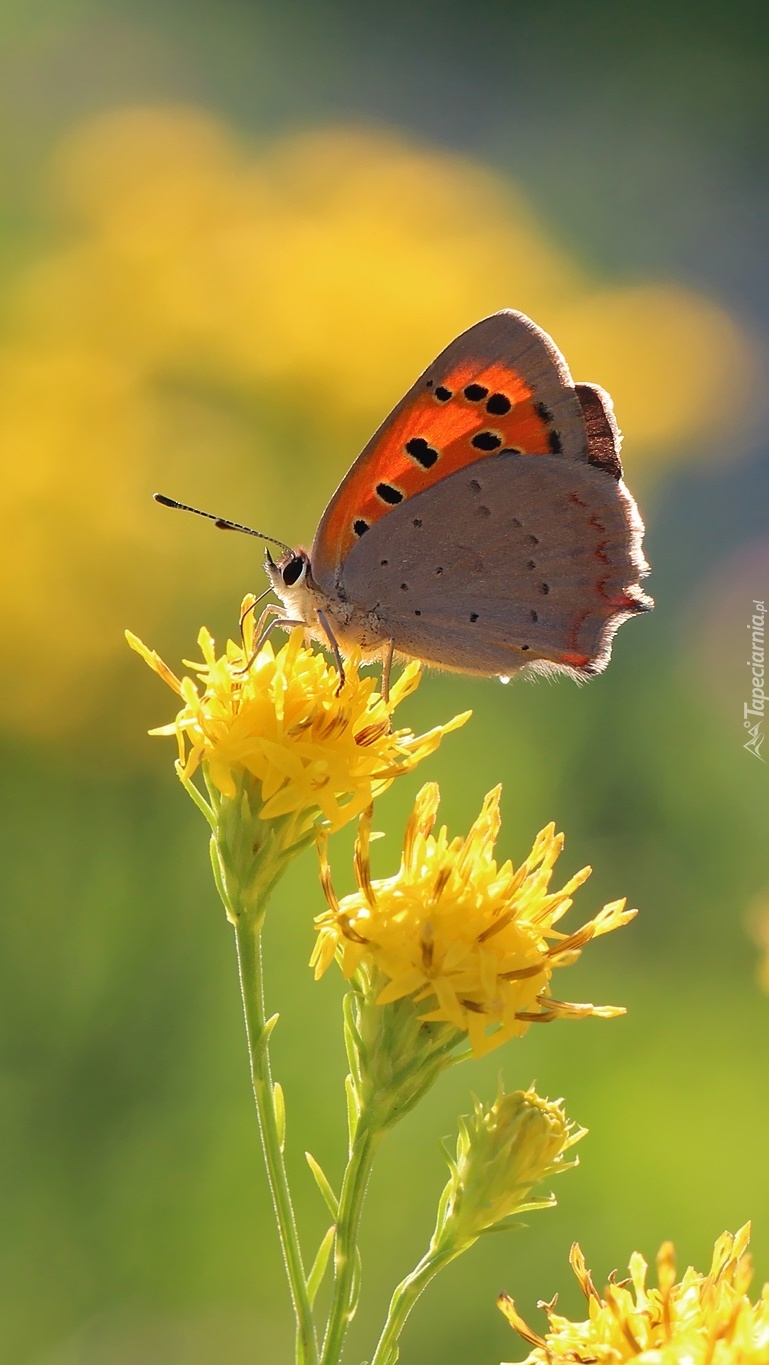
(315,749)
(475,942)
(702,1320)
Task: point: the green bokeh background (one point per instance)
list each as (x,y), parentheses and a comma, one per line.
(135,1219)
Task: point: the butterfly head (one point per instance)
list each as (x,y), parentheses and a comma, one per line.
(290,578)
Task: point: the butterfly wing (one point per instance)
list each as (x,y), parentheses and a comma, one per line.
(502,384)
(510,563)
(603,434)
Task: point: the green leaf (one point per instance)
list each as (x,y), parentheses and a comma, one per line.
(279,1102)
(216,868)
(197,796)
(507,1225)
(355,1283)
(332,1203)
(353,1108)
(315,1277)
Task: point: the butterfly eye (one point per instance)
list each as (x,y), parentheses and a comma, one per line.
(294,571)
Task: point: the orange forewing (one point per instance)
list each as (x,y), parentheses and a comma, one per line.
(447,427)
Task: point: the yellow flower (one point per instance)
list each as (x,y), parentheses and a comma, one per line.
(504,1150)
(475,941)
(703,1320)
(313,749)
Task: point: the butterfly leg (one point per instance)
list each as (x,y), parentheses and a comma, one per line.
(273,609)
(387,668)
(267,631)
(330,636)
(262,618)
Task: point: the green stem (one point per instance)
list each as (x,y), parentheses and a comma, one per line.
(247,935)
(353,1192)
(403,1300)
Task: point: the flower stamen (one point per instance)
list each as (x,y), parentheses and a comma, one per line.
(507,1306)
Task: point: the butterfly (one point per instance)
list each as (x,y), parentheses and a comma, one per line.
(484,529)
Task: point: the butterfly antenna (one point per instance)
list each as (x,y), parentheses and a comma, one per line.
(221,522)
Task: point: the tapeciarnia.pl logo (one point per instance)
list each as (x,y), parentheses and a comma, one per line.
(753,712)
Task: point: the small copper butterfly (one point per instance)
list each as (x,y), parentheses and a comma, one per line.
(485,528)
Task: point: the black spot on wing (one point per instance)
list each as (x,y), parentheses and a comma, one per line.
(389,494)
(421,452)
(487,440)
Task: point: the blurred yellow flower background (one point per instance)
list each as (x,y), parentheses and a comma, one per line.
(230,325)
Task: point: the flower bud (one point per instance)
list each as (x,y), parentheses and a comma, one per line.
(504,1150)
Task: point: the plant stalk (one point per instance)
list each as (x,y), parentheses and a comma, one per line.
(404,1299)
(356,1178)
(248,939)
